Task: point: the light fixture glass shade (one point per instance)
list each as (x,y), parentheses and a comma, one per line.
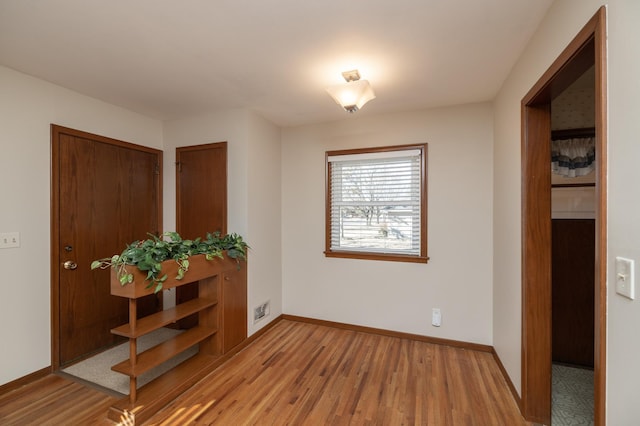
(352,95)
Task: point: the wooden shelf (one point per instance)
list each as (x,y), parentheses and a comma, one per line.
(153,322)
(164,351)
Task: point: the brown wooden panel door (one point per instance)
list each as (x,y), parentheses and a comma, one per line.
(106,194)
(201,201)
(573,273)
(201,183)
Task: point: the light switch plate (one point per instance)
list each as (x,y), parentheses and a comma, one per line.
(625,278)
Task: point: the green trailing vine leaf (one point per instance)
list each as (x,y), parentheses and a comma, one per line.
(148,255)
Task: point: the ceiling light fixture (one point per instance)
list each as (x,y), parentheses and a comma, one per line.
(353,94)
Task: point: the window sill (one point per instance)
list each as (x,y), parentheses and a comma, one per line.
(377,256)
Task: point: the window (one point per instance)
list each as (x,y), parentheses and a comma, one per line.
(376,203)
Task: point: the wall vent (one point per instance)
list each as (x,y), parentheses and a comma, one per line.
(261,311)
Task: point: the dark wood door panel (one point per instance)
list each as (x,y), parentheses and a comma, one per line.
(201,201)
(106,194)
(201,178)
(573,278)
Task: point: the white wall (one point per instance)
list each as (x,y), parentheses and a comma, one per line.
(253,206)
(264,227)
(394,295)
(27,108)
(564,19)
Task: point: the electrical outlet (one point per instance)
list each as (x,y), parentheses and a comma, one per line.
(10,240)
(436,317)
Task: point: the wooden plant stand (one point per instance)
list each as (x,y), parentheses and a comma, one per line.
(213,277)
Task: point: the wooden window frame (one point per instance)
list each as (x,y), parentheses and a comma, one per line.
(422,257)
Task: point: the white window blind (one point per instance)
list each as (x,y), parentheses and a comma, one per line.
(375,202)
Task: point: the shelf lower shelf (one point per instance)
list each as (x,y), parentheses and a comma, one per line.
(164,351)
(158,393)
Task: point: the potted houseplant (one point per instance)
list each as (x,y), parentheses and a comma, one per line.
(159,256)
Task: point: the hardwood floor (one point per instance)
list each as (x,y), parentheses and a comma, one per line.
(300,373)
(57,401)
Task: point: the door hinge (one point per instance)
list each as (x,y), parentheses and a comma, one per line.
(179,166)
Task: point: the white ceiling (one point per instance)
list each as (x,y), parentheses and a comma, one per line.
(169,59)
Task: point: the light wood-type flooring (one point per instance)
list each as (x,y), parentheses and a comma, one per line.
(306,374)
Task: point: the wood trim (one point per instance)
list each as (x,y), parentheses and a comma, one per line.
(390,333)
(507,378)
(536,264)
(221,144)
(600,355)
(25,380)
(56,129)
(160,202)
(574,60)
(257,334)
(423,257)
(587,48)
(55,249)
(371,256)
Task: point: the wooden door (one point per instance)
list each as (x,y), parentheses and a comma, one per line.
(572,271)
(105,194)
(201,201)
(201,182)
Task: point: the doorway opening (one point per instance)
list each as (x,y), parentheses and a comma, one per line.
(588,49)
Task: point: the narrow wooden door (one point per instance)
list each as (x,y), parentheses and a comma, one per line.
(105,194)
(201,201)
(201,182)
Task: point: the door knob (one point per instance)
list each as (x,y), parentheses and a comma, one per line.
(70,264)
